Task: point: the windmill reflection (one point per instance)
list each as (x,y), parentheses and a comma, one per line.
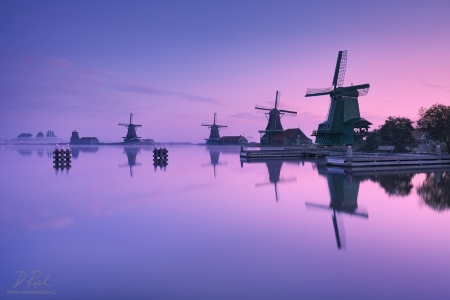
(274,171)
(343,200)
(214,153)
(131,153)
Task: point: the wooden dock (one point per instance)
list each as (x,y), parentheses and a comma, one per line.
(390,162)
(286,153)
(357,160)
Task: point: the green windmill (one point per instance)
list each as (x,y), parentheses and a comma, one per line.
(344,125)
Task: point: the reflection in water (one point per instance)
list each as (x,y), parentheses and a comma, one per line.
(77,149)
(131,153)
(25,151)
(435,190)
(395,184)
(214,153)
(343,200)
(274,170)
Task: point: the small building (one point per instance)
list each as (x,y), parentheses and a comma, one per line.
(292,136)
(232,140)
(76,140)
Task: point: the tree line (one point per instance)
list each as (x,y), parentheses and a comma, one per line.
(398,131)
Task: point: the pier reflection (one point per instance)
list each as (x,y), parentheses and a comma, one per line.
(131,153)
(435,190)
(214,154)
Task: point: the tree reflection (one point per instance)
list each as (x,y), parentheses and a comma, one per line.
(395,184)
(435,191)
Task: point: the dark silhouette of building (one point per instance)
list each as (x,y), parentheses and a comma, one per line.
(76,140)
(232,140)
(292,136)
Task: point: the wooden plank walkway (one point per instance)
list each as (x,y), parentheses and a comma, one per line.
(351,160)
(397,160)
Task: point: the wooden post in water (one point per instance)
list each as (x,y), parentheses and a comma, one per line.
(438,150)
(349,153)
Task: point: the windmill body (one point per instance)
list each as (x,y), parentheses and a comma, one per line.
(131,136)
(274,116)
(344,125)
(214,134)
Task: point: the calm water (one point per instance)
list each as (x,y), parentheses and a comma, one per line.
(209,227)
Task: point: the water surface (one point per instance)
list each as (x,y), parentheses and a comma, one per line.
(208,226)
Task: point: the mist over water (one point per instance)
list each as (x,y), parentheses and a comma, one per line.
(208,226)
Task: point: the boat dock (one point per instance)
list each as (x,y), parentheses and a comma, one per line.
(349,160)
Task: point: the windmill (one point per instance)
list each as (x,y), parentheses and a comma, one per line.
(344,125)
(214,135)
(131,133)
(274,120)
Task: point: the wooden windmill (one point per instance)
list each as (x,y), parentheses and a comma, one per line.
(344,125)
(131,131)
(214,135)
(274,116)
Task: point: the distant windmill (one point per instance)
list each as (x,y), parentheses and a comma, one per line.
(214,135)
(131,133)
(344,125)
(274,120)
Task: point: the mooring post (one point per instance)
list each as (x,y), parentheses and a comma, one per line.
(438,150)
(349,153)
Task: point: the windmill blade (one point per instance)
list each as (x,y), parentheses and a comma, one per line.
(214,118)
(318,92)
(339,71)
(222,126)
(342,69)
(288,112)
(123,124)
(203,124)
(131,118)
(263,183)
(277,98)
(292,179)
(262,107)
(362,89)
(362,214)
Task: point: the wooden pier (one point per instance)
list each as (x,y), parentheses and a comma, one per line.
(390,162)
(286,153)
(357,160)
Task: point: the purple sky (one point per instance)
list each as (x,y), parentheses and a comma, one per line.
(86,65)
